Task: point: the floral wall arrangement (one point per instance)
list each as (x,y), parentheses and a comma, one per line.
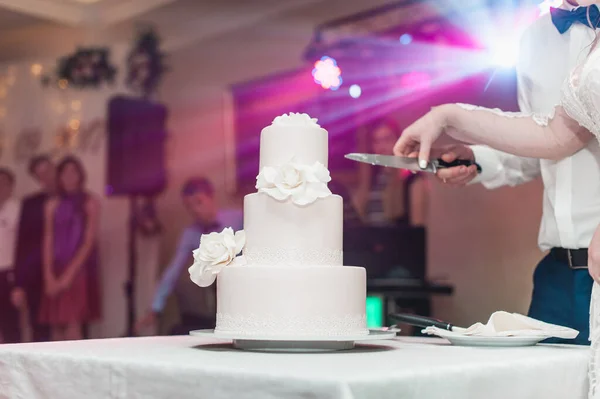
(145,63)
(87,67)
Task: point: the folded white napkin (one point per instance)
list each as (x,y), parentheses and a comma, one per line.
(504,324)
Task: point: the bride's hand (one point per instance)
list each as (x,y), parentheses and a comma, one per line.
(418,137)
(594,256)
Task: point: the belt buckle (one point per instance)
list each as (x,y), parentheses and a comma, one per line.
(570,262)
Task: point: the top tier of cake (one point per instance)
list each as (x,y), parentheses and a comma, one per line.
(293,136)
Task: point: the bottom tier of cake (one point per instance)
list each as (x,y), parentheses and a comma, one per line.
(291,301)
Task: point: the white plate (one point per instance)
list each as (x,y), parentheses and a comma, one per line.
(287,343)
(474,340)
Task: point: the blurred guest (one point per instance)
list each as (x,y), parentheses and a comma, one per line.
(351,216)
(196,305)
(28,256)
(389,196)
(9,301)
(70,259)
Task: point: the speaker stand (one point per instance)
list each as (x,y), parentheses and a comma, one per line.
(130,285)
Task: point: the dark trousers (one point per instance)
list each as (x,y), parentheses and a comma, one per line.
(562,296)
(190,322)
(9,315)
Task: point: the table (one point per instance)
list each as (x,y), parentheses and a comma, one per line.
(194,367)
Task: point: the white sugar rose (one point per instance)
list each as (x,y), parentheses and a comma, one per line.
(216,251)
(295,119)
(304,184)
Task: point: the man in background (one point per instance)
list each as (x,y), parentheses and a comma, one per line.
(562,286)
(10,301)
(28,255)
(197,305)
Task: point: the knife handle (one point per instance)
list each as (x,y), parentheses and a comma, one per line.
(420,321)
(457,162)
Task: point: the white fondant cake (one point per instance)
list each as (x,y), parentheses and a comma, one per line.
(289,280)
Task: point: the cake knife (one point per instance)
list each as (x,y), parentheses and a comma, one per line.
(424,322)
(408,163)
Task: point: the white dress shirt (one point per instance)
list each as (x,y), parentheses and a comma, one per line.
(571,210)
(9,223)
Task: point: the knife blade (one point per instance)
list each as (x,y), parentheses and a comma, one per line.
(408,163)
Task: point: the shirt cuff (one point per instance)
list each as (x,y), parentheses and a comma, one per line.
(487,159)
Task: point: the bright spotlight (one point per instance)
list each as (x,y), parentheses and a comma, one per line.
(327,73)
(355,91)
(406,39)
(505,55)
(544,6)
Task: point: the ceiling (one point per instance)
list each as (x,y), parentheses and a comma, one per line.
(39,29)
(12,20)
(20,13)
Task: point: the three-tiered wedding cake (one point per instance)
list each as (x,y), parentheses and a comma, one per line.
(290,279)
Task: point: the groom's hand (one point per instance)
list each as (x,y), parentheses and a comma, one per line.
(457,176)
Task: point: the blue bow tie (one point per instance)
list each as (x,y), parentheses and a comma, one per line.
(564,19)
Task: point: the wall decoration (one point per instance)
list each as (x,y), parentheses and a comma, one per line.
(66,139)
(83,138)
(145,63)
(87,67)
(27,144)
(91,136)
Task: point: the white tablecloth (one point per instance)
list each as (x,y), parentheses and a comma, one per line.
(192,367)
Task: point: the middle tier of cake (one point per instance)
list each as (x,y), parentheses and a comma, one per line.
(281,233)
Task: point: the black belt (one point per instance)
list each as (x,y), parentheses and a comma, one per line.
(575,258)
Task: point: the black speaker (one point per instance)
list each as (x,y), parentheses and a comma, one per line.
(387,252)
(136,147)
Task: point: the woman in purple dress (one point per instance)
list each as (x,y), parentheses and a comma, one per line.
(70,258)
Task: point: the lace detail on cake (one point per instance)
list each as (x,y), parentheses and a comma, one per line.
(291,325)
(293,257)
(539,119)
(595,338)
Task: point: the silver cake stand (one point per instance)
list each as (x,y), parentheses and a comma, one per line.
(284,343)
